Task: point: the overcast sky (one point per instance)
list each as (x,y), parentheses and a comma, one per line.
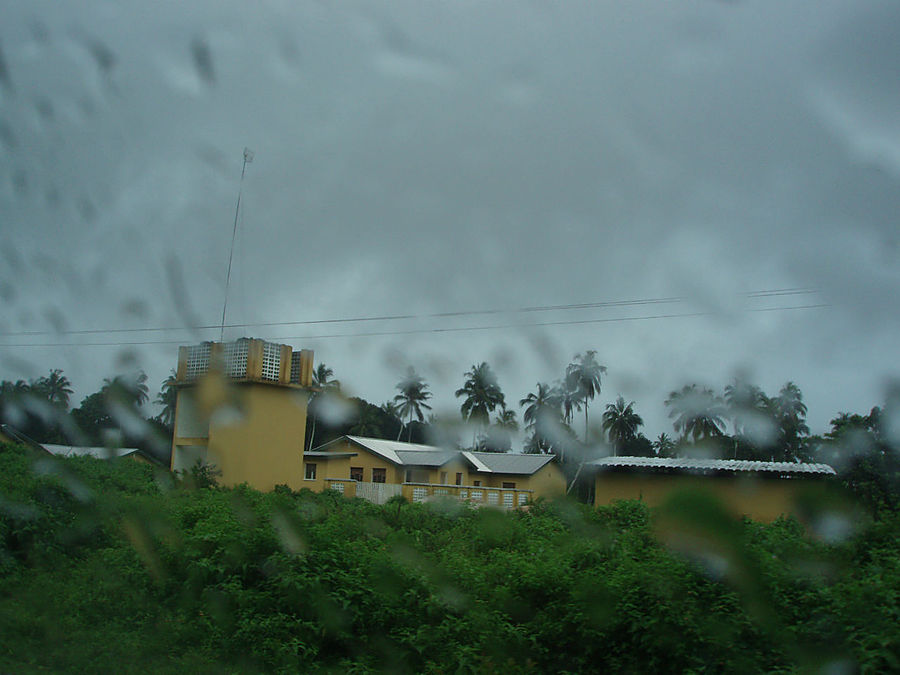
(433,157)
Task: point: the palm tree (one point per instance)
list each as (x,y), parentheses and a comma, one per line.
(413,394)
(585,373)
(789,412)
(506,419)
(543,404)
(664,446)
(322,380)
(697,412)
(55,387)
(744,401)
(131,390)
(570,397)
(167,398)
(752,417)
(391,408)
(621,423)
(542,411)
(482,395)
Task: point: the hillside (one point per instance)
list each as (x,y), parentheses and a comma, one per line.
(110,567)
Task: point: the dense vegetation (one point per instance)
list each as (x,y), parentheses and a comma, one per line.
(110,567)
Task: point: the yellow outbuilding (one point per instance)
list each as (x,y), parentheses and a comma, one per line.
(761,490)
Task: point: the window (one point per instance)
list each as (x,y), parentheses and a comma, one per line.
(409,476)
(443,480)
(508,499)
(476,483)
(356,473)
(459,479)
(509,486)
(310,472)
(379,475)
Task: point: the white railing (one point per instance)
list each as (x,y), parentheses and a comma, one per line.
(508,498)
(377,493)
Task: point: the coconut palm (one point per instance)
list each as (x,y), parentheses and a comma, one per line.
(542,404)
(167,398)
(585,373)
(506,419)
(743,402)
(789,412)
(482,395)
(322,380)
(664,446)
(131,390)
(411,399)
(542,416)
(570,397)
(696,412)
(391,408)
(55,387)
(621,423)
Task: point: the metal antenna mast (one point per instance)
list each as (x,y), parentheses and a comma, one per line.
(248,158)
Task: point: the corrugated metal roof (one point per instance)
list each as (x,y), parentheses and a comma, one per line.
(688,463)
(424,458)
(390,449)
(413,454)
(508,462)
(81,451)
(477,463)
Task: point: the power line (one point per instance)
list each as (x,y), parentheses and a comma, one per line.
(414,331)
(398,317)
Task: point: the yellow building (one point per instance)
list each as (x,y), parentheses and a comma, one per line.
(760,490)
(377,469)
(241,407)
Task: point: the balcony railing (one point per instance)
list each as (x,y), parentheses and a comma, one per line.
(379,493)
(507,498)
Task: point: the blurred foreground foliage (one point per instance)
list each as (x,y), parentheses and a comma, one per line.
(113,566)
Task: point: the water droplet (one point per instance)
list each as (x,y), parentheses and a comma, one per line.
(203,62)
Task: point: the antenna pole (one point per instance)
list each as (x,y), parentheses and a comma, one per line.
(248,158)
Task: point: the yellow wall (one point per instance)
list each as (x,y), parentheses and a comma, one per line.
(760,498)
(451,468)
(260,442)
(547,482)
(330,467)
(365,459)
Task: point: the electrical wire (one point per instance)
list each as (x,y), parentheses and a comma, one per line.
(414,331)
(398,317)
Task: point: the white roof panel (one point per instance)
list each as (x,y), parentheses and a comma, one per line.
(390,449)
(689,464)
(477,463)
(509,462)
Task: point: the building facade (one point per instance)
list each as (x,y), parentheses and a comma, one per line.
(241,407)
(377,469)
(761,490)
